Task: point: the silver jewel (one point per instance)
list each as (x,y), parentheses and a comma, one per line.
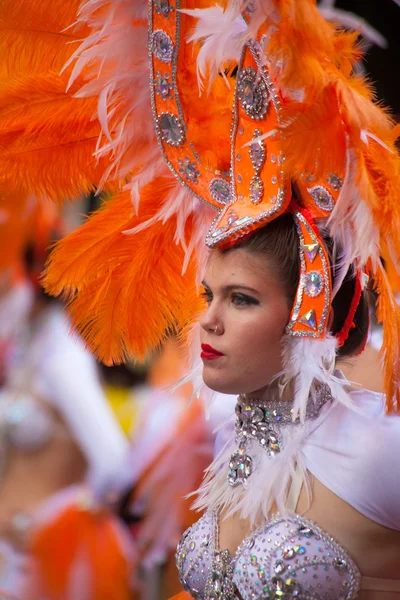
(292,587)
(339,564)
(313,284)
(257,152)
(262,422)
(220,584)
(162,85)
(289,553)
(189,170)
(335,181)
(162,46)
(171,129)
(323,199)
(240,466)
(256,189)
(279,566)
(305,530)
(220,190)
(252,93)
(163,7)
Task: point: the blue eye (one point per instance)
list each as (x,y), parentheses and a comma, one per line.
(243,300)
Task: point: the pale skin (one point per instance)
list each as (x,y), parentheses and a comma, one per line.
(245,320)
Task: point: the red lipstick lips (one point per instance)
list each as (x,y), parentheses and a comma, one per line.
(209,353)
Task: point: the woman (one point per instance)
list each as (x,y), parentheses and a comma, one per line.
(303,150)
(347,489)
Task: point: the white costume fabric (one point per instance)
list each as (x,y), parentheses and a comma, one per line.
(353,452)
(46,366)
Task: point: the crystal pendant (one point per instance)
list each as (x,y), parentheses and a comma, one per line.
(189,170)
(309,319)
(171,129)
(313,284)
(310,250)
(323,199)
(162,85)
(220,190)
(240,468)
(257,153)
(162,46)
(163,7)
(256,189)
(252,93)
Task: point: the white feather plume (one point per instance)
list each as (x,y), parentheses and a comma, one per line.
(268,485)
(307,362)
(221,32)
(114,59)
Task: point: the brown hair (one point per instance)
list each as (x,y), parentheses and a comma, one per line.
(279,241)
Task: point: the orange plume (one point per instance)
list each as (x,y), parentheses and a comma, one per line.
(137,292)
(388,313)
(93,537)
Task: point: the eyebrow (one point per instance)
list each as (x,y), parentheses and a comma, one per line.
(229,288)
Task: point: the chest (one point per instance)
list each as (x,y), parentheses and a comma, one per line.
(288,557)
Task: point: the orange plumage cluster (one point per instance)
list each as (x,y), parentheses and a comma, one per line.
(63,133)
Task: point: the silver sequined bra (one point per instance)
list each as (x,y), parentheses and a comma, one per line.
(288,557)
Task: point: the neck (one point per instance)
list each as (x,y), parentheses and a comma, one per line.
(274,391)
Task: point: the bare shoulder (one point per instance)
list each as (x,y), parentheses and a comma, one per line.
(374,548)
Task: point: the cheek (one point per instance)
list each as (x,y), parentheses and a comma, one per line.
(258,341)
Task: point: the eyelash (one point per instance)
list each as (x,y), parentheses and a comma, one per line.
(244,299)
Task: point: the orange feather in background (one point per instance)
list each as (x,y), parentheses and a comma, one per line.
(125,305)
(47,137)
(89,537)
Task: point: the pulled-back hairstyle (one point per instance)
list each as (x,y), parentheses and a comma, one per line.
(279,241)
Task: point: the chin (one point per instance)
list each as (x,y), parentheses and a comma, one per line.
(218,384)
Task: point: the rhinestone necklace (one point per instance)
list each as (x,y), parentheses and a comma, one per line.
(263,421)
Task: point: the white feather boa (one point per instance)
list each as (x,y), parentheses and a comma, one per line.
(266,488)
(307,362)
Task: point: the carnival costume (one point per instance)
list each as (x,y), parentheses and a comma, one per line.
(53,414)
(304,137)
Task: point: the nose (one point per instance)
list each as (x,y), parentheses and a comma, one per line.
(211,321)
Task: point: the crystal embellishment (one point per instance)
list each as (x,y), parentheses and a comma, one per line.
(163,7)
(323,199)
(313,284)
(189,170)
(220,584)
(257,152)
(340,564)
(335,181)
(310,250)
(162,46)
(240,466)
(256,189)
(220,190)
(163,85)
(262,424)
(309,319)
(252,93)
(171,129)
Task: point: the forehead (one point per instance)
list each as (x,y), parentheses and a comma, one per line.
(240,267)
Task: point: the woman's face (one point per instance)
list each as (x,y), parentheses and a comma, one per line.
(242,328)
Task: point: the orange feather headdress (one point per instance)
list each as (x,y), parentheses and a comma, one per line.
(189,166)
